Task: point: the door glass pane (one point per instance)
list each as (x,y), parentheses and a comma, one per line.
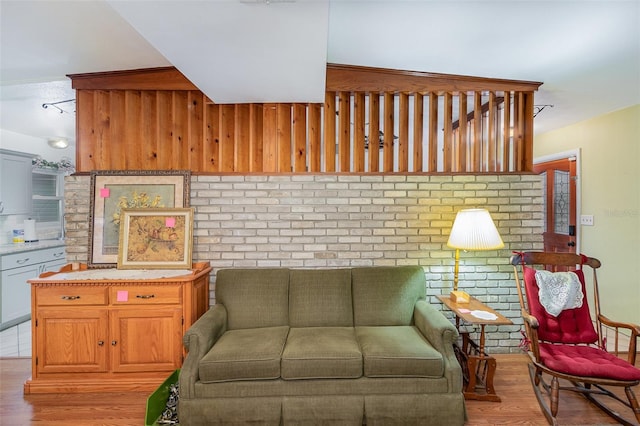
(544,198)
(561,202)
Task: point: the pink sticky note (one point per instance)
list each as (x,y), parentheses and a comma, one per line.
(122,296)
(170,222)
(104,192)
(464,311)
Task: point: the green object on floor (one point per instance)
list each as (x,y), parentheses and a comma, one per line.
(157,401)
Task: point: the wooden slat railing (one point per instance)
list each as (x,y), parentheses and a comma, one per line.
(372,121)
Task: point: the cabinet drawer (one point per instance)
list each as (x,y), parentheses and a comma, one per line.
(32,257)
(53,254)
(145,295)
(68,295)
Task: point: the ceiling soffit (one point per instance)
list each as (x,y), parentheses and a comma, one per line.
(255,64)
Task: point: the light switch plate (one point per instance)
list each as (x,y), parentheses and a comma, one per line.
(586,219)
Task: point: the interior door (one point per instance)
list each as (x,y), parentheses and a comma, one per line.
(559,182)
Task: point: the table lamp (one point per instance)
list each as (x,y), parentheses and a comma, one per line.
(473,229)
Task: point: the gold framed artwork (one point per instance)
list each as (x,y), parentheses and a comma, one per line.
(156,239)
(112,191)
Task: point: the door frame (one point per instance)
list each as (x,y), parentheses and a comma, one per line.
(570,154)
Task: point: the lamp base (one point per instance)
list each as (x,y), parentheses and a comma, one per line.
(459,296)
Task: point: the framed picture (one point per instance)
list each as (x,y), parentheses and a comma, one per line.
(156,239)
(115,190)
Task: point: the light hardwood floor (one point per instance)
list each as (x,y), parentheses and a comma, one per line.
(518,406)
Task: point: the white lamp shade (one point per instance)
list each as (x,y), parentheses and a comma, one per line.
(474,229)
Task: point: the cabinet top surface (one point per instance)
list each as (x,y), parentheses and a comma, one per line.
(129,275)
(22,247)
(16,153)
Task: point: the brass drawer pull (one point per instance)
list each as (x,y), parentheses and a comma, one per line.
(145,296)
(70,297)
(100,342)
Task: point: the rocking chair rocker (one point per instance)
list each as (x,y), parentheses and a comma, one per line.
(562,339)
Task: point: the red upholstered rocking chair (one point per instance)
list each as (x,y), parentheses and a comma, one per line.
(562,341)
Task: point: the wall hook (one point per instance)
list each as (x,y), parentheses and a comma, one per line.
(55,105)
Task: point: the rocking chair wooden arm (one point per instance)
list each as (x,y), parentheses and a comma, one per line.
(633,339)
(530,319)
(635,328)
(531,327)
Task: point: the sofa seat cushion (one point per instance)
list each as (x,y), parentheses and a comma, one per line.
(321,353)
(398,351)
(246,354)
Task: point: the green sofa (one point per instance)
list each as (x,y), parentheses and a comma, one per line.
(321,346)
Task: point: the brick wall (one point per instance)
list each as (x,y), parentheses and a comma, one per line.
(322,221)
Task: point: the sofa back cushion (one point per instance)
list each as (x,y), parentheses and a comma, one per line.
(320,298)
(254,297)
(386,295)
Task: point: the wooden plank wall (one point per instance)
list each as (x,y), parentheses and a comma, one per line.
(123,123)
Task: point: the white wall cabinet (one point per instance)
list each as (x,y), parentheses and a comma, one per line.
(15,292)
(15,183)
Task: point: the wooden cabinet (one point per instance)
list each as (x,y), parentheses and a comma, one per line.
(94,333)
(15,183)
(15,270)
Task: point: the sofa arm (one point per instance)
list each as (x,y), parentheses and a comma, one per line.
(442,334)
(198,340)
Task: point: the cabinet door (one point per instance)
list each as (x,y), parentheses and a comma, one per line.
(146,339)
(16,292)
(15,184)
(71,340)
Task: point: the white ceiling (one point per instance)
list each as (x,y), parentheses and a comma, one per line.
(587,53)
